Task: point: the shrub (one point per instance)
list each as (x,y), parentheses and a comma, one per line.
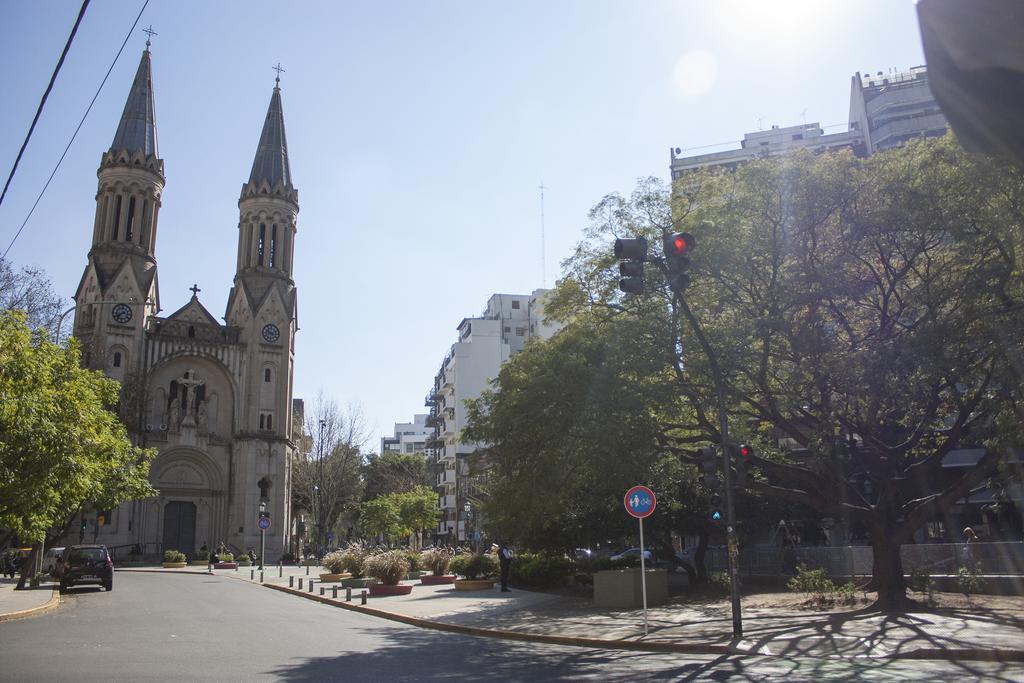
(203,555)
(224,557)
(287,557)
(334,562)
(532,569)
(846,594)
(243,559)
(810,581)
(921,581)
(390,567)
(474,566)
(718,582)
(174,556)
(352,559)
(436,560)
(414,559)
(969,578)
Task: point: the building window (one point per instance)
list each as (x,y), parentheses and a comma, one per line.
(270,421)
(520,331)
(515,304)
(117,359)
(266,375)
(117,216)
(191,332)
(408,448)
(259,245)
(273,245)
(507,330)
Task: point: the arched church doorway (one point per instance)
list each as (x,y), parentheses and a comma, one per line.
(180,526)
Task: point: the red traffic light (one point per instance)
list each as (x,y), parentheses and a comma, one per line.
(745,451)
(679,244)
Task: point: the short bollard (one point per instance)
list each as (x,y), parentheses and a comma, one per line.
(307,570)
(280,570)
(236,568)
(334,592)
(291,582)
(362,596)
(252,574)
(300,583)
(348,593)
(321,590)
(311,585)
(261,576)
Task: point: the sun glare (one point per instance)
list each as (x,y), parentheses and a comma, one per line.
(696,72)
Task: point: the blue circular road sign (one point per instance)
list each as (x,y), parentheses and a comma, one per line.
(264,523)
(640,501)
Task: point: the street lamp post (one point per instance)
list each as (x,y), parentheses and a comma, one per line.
(320,492)
(468,509)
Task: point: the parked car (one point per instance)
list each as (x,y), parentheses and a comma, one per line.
(52,561)
(87,564)
(633,554)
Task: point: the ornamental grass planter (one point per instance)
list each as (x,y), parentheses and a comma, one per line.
(383,590)
(333,578)
(175,565)
(474,584)
(431,580)
(225,565)
(358,583)
(413,576)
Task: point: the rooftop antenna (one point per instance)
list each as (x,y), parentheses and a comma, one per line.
(543,261)
(804,115)
(759,120)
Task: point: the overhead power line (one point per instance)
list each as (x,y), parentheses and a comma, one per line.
(80,124)
(39,109)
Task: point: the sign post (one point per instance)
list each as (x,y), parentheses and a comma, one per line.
(264,524)
(640,502)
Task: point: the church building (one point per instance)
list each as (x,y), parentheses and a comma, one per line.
(215,399)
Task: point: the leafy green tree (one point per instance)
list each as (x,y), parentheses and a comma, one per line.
(382,517)
(865,314)
(417,509)
(393,472)
(61,444)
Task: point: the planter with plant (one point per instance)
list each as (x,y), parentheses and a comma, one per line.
(224,561)
(352,559)
(174,559)
(335,567)
(389,568)
(478,572)
(436,561)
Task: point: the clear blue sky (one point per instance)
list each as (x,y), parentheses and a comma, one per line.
(418,134)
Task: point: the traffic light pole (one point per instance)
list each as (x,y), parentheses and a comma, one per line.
(732,544)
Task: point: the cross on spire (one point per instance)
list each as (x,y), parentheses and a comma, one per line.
(149,34)
(195,290)
(278,69)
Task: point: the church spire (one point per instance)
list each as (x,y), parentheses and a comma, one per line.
(271,162)
(137,130)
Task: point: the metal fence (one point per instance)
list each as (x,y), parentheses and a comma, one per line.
(936,558)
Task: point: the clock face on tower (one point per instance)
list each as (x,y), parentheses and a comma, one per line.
(271,333)
(121,313)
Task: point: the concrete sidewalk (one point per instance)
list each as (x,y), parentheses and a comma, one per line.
(994,633)
(18,604)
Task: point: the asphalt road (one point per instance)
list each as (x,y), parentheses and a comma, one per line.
(178,627)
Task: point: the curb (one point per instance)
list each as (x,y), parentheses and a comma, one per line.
(970,654)
(50,605)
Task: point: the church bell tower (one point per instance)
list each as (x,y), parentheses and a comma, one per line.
(118,290)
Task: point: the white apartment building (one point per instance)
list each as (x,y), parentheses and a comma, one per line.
(484,344)
(409,437)
(886,110)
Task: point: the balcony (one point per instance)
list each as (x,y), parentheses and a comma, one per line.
(433,396)
(433,419)
(446,502)
(446,477)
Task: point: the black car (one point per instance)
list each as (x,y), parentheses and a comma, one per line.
(87,564)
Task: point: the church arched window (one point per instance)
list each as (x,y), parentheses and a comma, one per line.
(273,245)
(191,332)
(266,374)
(129,224)
(117,359)
(117,217)
(259,246)
(270,421)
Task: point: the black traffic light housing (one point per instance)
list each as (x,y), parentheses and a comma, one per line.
(677,248)
(631,253)
(742,455)
(710,468)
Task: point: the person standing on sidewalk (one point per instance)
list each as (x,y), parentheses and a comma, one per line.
(505,556)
